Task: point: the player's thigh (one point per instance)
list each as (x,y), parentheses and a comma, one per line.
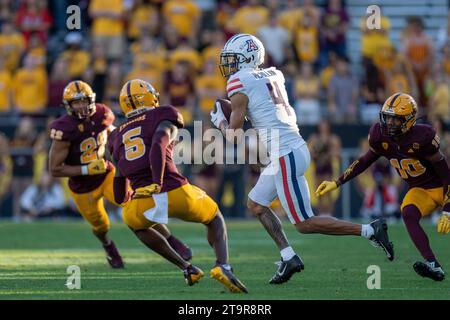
(264,192)
(292,187)
(133,213)
(426,200)
(91,207)
(190,203)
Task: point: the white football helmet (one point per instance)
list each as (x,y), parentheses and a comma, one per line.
(241,51)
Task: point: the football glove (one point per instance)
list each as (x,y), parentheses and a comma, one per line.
(325,187)
(217,118)
(444,223)
(147,191)
(94,168)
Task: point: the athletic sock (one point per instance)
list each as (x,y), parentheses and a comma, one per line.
(411,216)
(367,231)
(287,253)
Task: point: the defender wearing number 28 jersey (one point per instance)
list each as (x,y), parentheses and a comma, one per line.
(77,152)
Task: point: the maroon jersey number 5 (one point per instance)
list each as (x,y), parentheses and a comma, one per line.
(134,145)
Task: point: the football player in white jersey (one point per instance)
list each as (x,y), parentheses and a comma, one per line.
(260,95)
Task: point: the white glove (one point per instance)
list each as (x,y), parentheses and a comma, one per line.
(218,117)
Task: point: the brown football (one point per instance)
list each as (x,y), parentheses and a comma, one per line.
(226,107)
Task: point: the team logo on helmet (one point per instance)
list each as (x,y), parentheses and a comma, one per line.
(138,96)
(241,51)
(251,45)
(398,114)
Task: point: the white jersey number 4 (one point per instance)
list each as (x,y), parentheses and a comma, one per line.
(278,100)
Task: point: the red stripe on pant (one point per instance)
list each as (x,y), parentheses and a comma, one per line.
(286,191)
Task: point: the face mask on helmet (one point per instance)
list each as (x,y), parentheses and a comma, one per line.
(82,107)
(229,63)
(392,125)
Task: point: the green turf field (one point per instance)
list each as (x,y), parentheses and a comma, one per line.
(34,258)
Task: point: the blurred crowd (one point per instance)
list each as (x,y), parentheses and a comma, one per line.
(175,45)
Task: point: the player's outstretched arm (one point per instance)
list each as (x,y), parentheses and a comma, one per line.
(440,165)
(59,151)
(356,168)
(121,185)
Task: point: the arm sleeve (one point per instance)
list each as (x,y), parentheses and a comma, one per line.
(171,114)
(121,186)
(357,167)
(234,85)
(109,117)
(157,155)
(62,130)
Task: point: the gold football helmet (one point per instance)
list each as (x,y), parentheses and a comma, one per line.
(398,115)
(138,96)
(79,99)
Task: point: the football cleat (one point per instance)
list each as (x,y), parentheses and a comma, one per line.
(430,270)
(182,249)
(112,256)
(192,275)
(380,238)
(226,277)
(286,269)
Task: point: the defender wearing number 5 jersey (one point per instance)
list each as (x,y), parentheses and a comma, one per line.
(413,150)
(77,151)
(143,151)
(260,94)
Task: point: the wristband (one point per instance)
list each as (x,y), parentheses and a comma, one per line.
(84,170)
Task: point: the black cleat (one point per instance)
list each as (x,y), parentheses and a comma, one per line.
(380,237)
(429,270)
(286,269)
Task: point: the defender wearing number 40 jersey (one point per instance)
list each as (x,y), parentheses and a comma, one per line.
(413,150)
(260,94)
(77,151)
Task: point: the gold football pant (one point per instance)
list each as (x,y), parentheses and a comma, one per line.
(188,203)
(426,200)
(91,206)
